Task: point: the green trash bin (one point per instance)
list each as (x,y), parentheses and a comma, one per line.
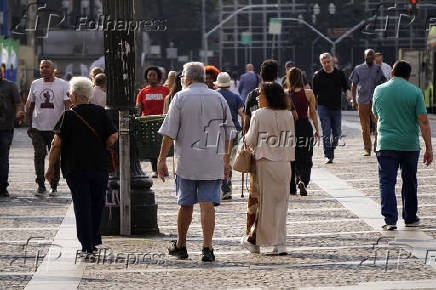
(148,139)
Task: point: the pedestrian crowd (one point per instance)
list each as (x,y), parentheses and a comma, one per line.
(211,117)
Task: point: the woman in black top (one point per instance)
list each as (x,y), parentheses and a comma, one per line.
(81,138)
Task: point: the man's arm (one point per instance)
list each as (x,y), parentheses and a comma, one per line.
(162,168)
(246,124)
(19,112)
(315,85)
(112,139)
(240,84)
(30,106)
(55,152)
(67,104)
(354,94)
(139,106)
(349,95)
(241,114)
(424,124)
(346,87)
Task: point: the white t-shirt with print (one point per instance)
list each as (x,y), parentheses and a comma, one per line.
(49,100)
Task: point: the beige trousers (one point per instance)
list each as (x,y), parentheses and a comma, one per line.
(273,184)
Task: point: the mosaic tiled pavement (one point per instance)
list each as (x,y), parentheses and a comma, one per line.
(328,245)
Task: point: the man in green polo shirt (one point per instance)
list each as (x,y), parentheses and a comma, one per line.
(401,112)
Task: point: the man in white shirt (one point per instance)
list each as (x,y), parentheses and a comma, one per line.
(47,100)
(196,119)
(386,69)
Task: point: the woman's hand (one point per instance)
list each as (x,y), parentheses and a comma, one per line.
(49,175)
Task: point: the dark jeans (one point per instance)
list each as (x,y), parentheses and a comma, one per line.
(41,141)
(88,190)
(331,127)
(302,166)
(388,163)
(6,137)
(153,164)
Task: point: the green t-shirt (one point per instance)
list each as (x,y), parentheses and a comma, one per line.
(396,105)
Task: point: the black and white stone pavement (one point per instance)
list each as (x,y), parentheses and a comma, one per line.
(334,238)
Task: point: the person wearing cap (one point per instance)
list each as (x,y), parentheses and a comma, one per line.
(288,65)
(236,106)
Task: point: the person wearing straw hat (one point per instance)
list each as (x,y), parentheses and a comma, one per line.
(236,105)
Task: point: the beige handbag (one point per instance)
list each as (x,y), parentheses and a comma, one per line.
(244,160)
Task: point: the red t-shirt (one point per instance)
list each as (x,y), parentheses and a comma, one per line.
(152,100)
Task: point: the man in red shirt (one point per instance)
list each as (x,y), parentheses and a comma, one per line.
(150,99)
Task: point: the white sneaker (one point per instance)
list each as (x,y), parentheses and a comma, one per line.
(249,246)
(279,250)
(227,196)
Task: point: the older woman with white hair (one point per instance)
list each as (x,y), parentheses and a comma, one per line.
(81,137)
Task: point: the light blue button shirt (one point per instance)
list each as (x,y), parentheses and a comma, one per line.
(199,120)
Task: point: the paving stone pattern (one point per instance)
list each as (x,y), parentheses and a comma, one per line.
(328,245)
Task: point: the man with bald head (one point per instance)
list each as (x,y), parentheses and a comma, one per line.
(364,79)
(248,81)
(47,100)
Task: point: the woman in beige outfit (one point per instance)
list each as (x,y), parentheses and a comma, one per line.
(272,137)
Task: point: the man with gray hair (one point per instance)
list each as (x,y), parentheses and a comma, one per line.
(200,122)
(328,84)
(47,100)
(81,137)
(364,79)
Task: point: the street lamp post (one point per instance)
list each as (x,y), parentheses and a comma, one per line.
(136,200)
(321,35)
(207,34)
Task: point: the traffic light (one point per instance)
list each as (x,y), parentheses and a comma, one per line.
(413,10)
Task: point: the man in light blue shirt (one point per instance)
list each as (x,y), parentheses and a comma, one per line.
(364,78)
(199,122)
(400,111)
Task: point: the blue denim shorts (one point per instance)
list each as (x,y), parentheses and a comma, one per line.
(190,192)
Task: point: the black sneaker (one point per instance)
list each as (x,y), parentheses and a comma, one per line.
(413,224)
(302,188)
(41,190)
(207,255)
(180,253)
(4,193)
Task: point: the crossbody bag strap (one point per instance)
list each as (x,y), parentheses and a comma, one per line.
(87,125)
